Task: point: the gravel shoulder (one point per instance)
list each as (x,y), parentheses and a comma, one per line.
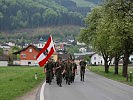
(31,95)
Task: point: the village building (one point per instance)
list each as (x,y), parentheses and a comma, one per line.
(59,47)
(96,59)
(131,58)
(41,43)
(27,56)
(11,44)
(82,50)
(81,56)
(3,60)
(6,49)
(78,43)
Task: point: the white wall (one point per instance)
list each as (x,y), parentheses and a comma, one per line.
(82,49)
(131,58)
(16,62)
(25,62)
(98,60)
(3,63)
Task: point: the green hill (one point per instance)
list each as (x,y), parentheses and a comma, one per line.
(18,14)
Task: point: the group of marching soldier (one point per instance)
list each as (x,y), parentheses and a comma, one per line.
(66,70)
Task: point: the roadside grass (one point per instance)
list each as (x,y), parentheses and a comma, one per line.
(100,70)
(16,81)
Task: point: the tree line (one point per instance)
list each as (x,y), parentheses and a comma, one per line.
(109,30)
(72,6)
(15,14)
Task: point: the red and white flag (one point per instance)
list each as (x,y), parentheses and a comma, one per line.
(42,58)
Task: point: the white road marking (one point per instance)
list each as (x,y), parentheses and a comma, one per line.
(42,91)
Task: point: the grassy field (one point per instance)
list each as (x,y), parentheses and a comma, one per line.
(100,70)
(83,3)
(15,81)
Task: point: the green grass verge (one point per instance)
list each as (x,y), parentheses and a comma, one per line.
(16,81)
(100,70)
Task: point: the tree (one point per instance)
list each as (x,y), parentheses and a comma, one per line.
(97,34)
(111,31)
(122,25)
(87,58)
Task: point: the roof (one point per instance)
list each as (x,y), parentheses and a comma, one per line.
(5,45)
(86,53)
(18,52)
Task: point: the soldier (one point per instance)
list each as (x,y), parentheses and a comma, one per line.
(59,71)
(64,73)
(53,72)
(68,68)
(49,70)
(82,69)
(74,70)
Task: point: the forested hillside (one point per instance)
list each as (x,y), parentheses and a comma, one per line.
(15,14)
(75,6)
(18,14)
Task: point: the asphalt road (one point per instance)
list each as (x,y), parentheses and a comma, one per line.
(95,87)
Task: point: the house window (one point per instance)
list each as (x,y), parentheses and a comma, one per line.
(23,55)
(101,62)
(94,58)
(34,56)
(30,50)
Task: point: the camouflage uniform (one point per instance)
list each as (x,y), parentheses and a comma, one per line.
(49,71)
(58,72)
(82,69)
(74,69)
(68,68)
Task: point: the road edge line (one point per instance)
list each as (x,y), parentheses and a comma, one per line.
(42,91)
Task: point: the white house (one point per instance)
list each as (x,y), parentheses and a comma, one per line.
(6,49)
(78,43)
(11,44)
(82,50)
(40,45)
(5,46)
(97,59)
(131,58)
